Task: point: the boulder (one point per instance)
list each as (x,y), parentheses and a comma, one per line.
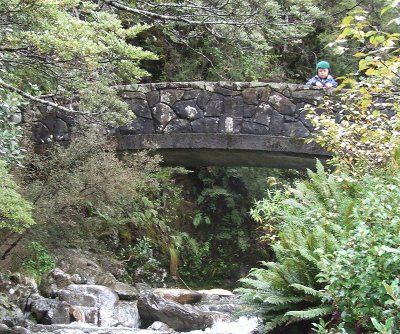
(89,295)
(125,291)
(181,296)
(182,318)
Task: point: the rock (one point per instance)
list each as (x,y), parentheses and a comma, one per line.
(50,311)
(4,329)
(140,108)
(125,291)
(19,330)
(216,294)
(16,294)
(256,95)
(188,109)
(178,126)
(41,133)
(89,295)
(153,307)
(163,114)
(181,296)
(92,269)
(159,326)
(282,104)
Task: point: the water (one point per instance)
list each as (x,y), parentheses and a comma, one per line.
(243,325)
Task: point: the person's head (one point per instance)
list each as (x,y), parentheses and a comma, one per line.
(323,69)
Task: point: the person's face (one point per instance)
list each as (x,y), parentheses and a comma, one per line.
(323,73)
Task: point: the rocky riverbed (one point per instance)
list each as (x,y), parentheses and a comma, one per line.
(80,297)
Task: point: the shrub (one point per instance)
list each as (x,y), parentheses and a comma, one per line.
(368,257)
(15,211)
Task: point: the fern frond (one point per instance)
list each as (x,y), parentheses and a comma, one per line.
(307,290)
(277,321)
(281,300)
(311,313)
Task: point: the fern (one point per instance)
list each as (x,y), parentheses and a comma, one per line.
(311,313)
(308,219)
(308,291)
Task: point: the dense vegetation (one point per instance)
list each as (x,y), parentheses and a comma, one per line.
(335,236)
(329,242)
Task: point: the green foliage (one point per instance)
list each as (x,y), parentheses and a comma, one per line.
(142,263)
(10,132)
(393,290)
(15,211)
(220,224)
(361,125)
(287,290)
(308,221)
(40,262)
(368,256)
(84,195)
(66,48)
(336,246)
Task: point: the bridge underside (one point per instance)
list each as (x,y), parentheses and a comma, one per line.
(203,149)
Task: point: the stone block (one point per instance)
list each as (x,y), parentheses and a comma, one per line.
(233,106)
(170,96)
(249,110)
(295,129)
(188,109)
(254,129)
(306,122)
(133,95)
(192,94)
(263,114)
(178,126)
(256,95)
(140,108)
(276,123)
(138,126)
(163,113)
(228,124)
(205,125)
(282,104)
(153,98)
(226,91)
(308,95)
(214,106)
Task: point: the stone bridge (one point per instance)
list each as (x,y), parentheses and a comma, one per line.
(218,123)
(222,123)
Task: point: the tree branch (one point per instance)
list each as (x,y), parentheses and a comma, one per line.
(39,100)
(180,18)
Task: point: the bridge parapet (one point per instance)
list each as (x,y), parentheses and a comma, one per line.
(211,123)
(254,108)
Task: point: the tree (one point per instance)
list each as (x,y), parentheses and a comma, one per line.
(70,53)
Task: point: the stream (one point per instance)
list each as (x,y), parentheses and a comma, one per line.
(65,307)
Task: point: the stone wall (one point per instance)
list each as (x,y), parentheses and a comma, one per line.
(255,108)
(200,107)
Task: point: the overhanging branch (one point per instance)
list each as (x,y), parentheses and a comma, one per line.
(39,100)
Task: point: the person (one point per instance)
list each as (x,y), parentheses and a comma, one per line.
(323,77)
